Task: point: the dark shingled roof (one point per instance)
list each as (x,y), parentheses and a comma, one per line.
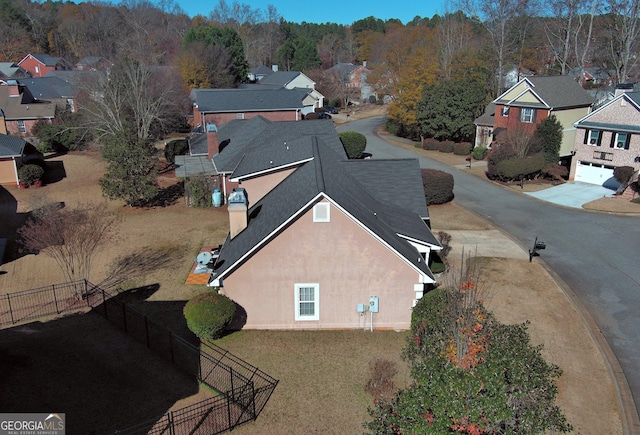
(279,78)
(11,146)
(47,88)
(258,141)
(393,181)
(324,177)
(488,117)
(556,92)
(248,100)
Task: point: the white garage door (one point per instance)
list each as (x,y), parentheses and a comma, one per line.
(593,173)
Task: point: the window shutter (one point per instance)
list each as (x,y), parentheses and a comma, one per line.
(586,137)
(626,143)
(599,138)
(613,140)
(534,114)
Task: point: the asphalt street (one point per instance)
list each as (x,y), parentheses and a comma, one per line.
(595,254)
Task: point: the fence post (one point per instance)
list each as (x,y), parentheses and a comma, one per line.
(229,413)
(172,428)
(10,308)
(55,299)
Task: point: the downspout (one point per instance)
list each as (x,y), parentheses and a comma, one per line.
(15,171)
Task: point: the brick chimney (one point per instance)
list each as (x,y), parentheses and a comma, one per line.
(212,140)
(238,206)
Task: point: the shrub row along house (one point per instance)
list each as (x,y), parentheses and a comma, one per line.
(316,238)
(595,141)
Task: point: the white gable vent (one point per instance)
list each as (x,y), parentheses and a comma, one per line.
(321,212)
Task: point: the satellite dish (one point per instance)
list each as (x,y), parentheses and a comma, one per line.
(204,258)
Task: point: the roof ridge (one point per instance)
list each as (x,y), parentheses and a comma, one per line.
(318,166)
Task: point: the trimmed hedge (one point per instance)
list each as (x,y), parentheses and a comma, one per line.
(438,186)
(462,148)
(479,153)
(29,174)
(208,314)
(446,146)
(354,143)
(431,144)
(513,169)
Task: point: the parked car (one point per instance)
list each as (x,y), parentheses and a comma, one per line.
(330,109)
(324,115)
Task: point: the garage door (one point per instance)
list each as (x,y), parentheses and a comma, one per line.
(593,173)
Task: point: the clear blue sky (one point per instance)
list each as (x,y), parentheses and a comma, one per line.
(332,11)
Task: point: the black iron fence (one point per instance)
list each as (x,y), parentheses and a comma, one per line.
(244,389)
(47,301)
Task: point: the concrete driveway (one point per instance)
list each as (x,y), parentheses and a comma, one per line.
(573,194)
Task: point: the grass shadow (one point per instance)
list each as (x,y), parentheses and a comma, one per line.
(168,196)
(79,364)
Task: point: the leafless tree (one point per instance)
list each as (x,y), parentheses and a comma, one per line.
(623,36)
(71,236)
(570,30)
(519,140)
(133,98)
(497,17)
(454,36)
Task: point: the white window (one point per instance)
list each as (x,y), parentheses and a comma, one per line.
(594,137)
(622,140)
(307,297)
(37,69)
(321,212)
(239,115)
(527,114)
(505,112)
(21,127)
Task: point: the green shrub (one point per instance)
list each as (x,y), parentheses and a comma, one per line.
(513,169)
(479,153)
(438,186)
(175,148)
(431,144)
(462,148)
(354,143)
(29,174)
(199,189)
(208,314)
(446,146)
(497,155)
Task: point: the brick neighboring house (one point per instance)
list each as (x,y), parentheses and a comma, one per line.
(21,110)
(532,100)
(218,106)
(354,77)
(312,242)
(607,138)
(40,64)
(27,101)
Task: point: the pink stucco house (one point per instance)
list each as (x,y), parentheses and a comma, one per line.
(607,138)
(315,238)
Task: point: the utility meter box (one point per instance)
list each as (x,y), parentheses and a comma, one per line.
(373,304)
(361,308)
